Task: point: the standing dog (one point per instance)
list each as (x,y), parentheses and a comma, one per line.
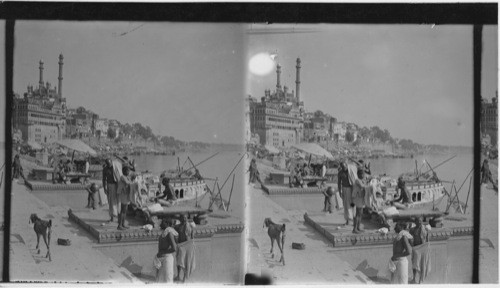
(42,228)
(276,232)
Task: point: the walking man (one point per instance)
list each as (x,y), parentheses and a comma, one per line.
(110,185)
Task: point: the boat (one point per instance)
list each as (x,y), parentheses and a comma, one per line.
(186,189)
(424,191)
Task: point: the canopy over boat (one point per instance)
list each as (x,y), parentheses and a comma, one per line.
(313,149)
(77,145)
(35,145)
(272,149)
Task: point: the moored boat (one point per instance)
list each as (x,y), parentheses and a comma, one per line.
(423,192)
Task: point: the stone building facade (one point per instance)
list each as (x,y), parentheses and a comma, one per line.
(489,119)
(39,114)
(278,118)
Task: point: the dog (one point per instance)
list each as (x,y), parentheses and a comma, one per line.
(276,232)
(42,228)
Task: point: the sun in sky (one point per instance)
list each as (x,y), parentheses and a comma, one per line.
(262,63)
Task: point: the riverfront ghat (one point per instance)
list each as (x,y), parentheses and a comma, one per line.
(101,254)
(333,254)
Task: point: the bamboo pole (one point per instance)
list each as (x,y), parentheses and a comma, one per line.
(234,168)
(449,196)
(467,201)
(438,164)
(220,196)
(230,193)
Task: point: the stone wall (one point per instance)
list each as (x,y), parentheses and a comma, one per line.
(219,258)
(451,260)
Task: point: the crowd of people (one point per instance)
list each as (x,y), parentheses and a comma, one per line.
(116,181)
(299,172)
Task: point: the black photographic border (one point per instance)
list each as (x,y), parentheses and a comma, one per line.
(251,12)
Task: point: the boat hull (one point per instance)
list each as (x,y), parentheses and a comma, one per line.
(423,194)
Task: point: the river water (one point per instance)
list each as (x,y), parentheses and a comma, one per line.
(221,165)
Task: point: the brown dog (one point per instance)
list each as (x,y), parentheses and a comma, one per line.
(276,232)
(42,228)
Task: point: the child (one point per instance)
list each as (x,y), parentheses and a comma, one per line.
(328,200)
(92,196)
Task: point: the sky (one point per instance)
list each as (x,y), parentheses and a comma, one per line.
(188,80)
(413,80)
(184,80)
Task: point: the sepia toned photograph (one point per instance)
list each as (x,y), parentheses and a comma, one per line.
(128,153)
(362,149)
(249,143)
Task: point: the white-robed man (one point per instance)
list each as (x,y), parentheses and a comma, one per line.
(401,249)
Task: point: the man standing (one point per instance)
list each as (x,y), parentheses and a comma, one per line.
(400,250)
(123,196)
(18,169)
(358,198)
(345,190)
(486,175)
(110,185)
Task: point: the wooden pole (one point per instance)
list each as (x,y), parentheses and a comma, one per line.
(212,197)
(220,196)
(230,193)
(467,201)
(449,195)
(233,170)
(438,164)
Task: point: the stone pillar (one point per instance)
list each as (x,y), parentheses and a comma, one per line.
(297,81)
(59,90)
(40,82)
(278,72)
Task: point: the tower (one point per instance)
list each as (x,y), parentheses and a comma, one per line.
(40,82)
(59,91)
(278,72)
(297,81)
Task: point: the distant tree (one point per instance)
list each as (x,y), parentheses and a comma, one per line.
(319,114)
(349,136)
(111,133)
(127,129)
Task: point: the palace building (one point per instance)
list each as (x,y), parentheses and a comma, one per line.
(489,119)
(278,118)
(39,114)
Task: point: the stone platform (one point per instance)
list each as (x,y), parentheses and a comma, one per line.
(37,185)
(286,190)
(340,236)
(95,222)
